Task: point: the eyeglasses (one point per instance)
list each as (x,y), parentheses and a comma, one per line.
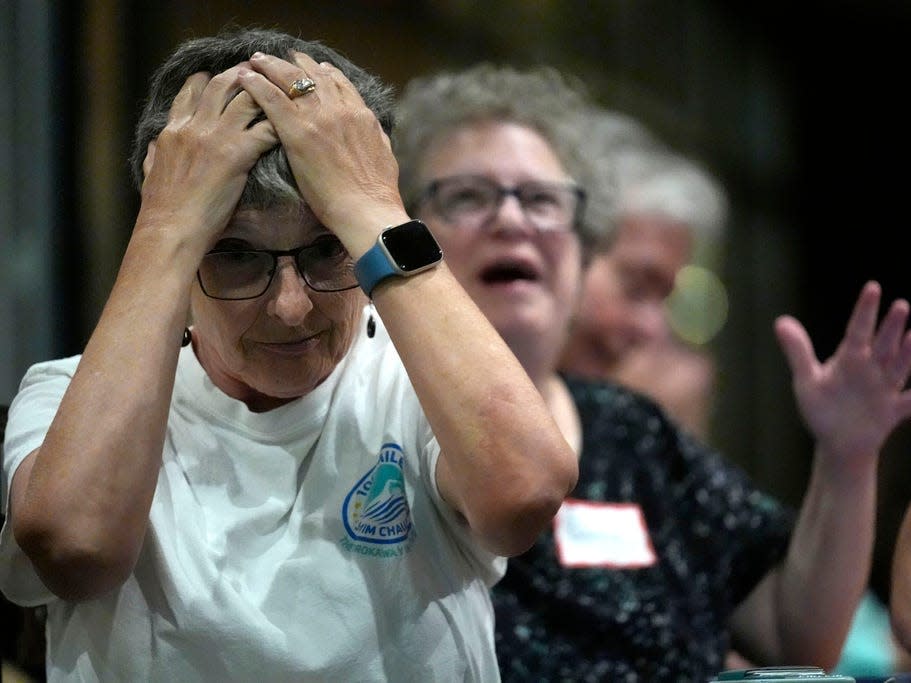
(235,274)
(470,201)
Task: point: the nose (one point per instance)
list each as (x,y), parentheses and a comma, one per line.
(509,217)
(651,321)
(290,297)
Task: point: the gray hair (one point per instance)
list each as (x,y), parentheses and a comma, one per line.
(541,98)
(634,172)
(271,181)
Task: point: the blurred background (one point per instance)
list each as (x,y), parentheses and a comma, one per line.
(796,107)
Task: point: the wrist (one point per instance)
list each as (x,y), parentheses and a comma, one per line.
(399,251)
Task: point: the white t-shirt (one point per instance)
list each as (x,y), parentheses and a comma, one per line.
(307,543)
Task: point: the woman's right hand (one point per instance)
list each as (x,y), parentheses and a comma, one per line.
(196,170)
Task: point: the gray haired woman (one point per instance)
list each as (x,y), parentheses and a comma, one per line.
(664,550)
(307,487)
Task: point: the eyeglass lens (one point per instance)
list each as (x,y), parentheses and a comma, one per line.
(246,273)
(472,200)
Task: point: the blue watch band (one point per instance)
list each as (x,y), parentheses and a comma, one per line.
(373,267)
(400,250)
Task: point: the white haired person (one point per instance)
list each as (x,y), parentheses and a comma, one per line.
(664,206)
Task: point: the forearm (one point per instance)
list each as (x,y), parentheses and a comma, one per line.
(900,594)
(504,464)
(89,486)
(808,602)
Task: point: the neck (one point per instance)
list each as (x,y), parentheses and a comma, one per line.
(560,403)
(539,362)
(539,359)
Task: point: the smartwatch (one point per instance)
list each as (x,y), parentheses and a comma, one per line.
(399,251)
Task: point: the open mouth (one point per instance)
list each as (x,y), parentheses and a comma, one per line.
(508,272)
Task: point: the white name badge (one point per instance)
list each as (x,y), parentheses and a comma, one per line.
(591,534)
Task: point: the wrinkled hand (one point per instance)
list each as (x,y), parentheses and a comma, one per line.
(853,401)
(196,170)
(340,155)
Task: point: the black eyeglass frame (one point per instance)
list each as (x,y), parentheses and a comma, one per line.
(430,194)
(275,254)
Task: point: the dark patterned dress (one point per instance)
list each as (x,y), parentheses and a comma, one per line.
(711,534)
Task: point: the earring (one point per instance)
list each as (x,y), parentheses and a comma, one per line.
(187,337)
(371,323)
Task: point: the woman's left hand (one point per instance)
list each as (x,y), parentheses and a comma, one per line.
(853,401)
(340,155)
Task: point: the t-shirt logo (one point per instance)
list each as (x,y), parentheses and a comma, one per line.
(376,510)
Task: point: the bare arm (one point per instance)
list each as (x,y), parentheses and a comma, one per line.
(802,610)
(900,597)
(80,503)
(504,464)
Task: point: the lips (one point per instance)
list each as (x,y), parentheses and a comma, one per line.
(298,339)
(292,346)
(508,270)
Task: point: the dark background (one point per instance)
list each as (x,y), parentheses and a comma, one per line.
(797,107)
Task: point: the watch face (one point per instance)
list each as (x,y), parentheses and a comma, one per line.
(412,246)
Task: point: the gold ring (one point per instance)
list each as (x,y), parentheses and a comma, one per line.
(301,86)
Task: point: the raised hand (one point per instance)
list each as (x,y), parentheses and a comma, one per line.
(341,158)
(853,401)
(195,171)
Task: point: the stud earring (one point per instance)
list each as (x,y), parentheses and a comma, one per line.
(187,337)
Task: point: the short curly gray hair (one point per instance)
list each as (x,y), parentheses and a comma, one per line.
(644,175)
(542,98)
(270,181)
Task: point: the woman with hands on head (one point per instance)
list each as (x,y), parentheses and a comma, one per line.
(301,491)
(664,553)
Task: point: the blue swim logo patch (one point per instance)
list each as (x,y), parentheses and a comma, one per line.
(376,510)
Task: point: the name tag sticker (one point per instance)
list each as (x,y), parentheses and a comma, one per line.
(590,534)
